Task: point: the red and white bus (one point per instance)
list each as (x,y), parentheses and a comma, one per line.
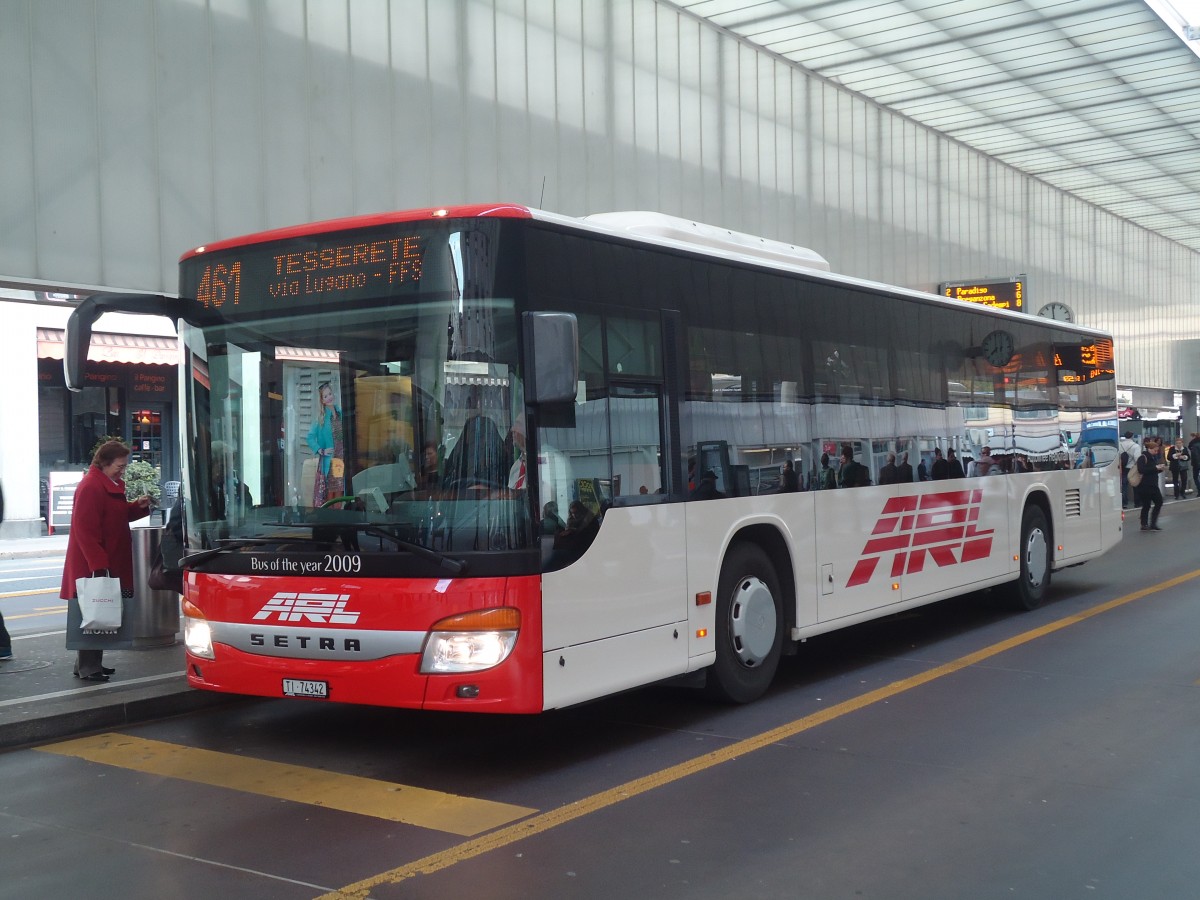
(489,458)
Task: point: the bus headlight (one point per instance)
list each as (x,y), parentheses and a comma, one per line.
(197,636)
(471,641)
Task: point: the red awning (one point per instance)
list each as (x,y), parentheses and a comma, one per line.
(116,348)
(308,354)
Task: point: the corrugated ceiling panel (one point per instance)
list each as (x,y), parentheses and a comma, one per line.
(1095,98)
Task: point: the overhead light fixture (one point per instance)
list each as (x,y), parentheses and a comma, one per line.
(1183,18)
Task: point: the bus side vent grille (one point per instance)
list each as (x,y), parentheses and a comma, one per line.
(1072,503)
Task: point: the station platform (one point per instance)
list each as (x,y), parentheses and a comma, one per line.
(40,700)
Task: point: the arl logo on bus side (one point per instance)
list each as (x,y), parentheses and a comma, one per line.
(942,527)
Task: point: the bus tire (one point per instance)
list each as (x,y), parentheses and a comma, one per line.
(1031,586)
(749,627)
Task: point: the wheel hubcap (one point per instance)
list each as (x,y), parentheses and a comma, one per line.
(1036,557)
(752,621)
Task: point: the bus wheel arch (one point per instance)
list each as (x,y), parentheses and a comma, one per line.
(752,622)
(1036,554)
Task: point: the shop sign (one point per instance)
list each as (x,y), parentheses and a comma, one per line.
(62,498)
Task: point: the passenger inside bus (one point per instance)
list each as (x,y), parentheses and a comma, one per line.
(706,489)
(430,476)
(228,496)
(790,479)
(478,462)
(552,523)
(581,529)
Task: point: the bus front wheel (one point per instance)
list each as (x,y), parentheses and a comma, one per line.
(1030,588)
(749,627)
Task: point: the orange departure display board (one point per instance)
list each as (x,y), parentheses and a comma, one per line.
(1000,294)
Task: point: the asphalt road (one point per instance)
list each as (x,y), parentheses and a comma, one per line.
(959,751)
(29,594)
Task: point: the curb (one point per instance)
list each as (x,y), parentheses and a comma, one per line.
(25,553)
(79,722)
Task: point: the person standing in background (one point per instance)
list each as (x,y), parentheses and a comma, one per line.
(1149,496)
(100,542)
(954,468)
(1130,451)
(826,479)
(941,469)
(984,464)
(889,474)
(1194,453)
(852,473)
(1180,462)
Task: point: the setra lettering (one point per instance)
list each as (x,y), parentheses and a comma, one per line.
(303,641)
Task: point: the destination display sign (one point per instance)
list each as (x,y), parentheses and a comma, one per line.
(338,268)
(999,294)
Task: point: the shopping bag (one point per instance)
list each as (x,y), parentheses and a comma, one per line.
(99,602)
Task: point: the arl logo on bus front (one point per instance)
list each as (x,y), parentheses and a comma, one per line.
(940,527)
(319,608)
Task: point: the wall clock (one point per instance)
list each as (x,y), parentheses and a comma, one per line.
(1059,311)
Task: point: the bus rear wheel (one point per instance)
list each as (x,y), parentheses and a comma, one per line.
(749,628)
(1030,588)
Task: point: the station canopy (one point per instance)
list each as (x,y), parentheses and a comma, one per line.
(1093,97)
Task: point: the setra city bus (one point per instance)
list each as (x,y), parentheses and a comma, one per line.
(493,459)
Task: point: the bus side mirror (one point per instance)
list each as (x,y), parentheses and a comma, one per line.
(79,339)
(84,316)
(552,339)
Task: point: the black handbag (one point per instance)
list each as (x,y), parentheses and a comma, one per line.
(162,580)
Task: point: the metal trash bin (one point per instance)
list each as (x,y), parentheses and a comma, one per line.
(153,615)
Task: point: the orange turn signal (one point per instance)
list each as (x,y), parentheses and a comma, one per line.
(505,618)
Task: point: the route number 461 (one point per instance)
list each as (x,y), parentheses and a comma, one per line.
(220,284)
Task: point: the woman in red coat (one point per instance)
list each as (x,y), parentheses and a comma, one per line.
(100,541)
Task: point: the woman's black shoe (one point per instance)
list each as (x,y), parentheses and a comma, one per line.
(106,670)
(97,676)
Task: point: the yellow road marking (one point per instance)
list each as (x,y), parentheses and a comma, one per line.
(42,611)
(464,816)
(9,594)
(555,817)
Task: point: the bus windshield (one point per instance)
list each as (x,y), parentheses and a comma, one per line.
(377,424)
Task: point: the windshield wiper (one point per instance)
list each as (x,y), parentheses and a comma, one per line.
(192,560)
(454,566)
